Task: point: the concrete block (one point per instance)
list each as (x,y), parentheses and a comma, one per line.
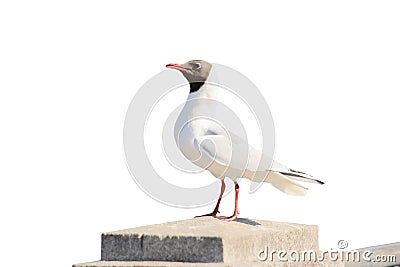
(187,264)
(148,264)
(378,256)
(206,240)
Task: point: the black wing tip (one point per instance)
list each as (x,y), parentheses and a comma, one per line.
(300,174)
(291,170)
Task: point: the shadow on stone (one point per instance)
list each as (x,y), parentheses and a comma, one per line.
(246,221)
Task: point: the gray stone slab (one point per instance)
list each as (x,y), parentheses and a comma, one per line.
(186,264)
(145,247)
(206,240)
(378,256)
(148,264)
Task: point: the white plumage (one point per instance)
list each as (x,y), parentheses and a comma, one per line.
(211,146)
(224,154)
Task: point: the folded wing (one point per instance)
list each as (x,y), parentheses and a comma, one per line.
(233,157)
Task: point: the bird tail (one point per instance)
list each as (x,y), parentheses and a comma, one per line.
(284,181)
(285,184)
(283,178)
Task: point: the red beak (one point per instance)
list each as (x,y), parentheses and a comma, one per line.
(176,66)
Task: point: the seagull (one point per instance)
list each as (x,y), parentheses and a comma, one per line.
(219,150)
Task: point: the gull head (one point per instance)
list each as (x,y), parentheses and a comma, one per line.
(193,70)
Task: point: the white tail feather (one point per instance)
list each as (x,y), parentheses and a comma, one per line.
(284,184)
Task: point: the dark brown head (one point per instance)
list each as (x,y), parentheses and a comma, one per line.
(195,71)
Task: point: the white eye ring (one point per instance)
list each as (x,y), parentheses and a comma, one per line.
(198,66)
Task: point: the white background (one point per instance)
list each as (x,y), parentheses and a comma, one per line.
(68,71)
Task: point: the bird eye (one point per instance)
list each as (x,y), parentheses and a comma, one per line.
(197,66)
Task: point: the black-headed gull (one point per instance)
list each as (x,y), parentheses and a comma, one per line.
(208,145)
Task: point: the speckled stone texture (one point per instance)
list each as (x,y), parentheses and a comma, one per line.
(149,264)
(206,240)
(187,264)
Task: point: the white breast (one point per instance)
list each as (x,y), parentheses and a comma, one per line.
(194,119)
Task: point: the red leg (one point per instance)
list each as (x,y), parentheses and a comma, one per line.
(235,212)
(214,213)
